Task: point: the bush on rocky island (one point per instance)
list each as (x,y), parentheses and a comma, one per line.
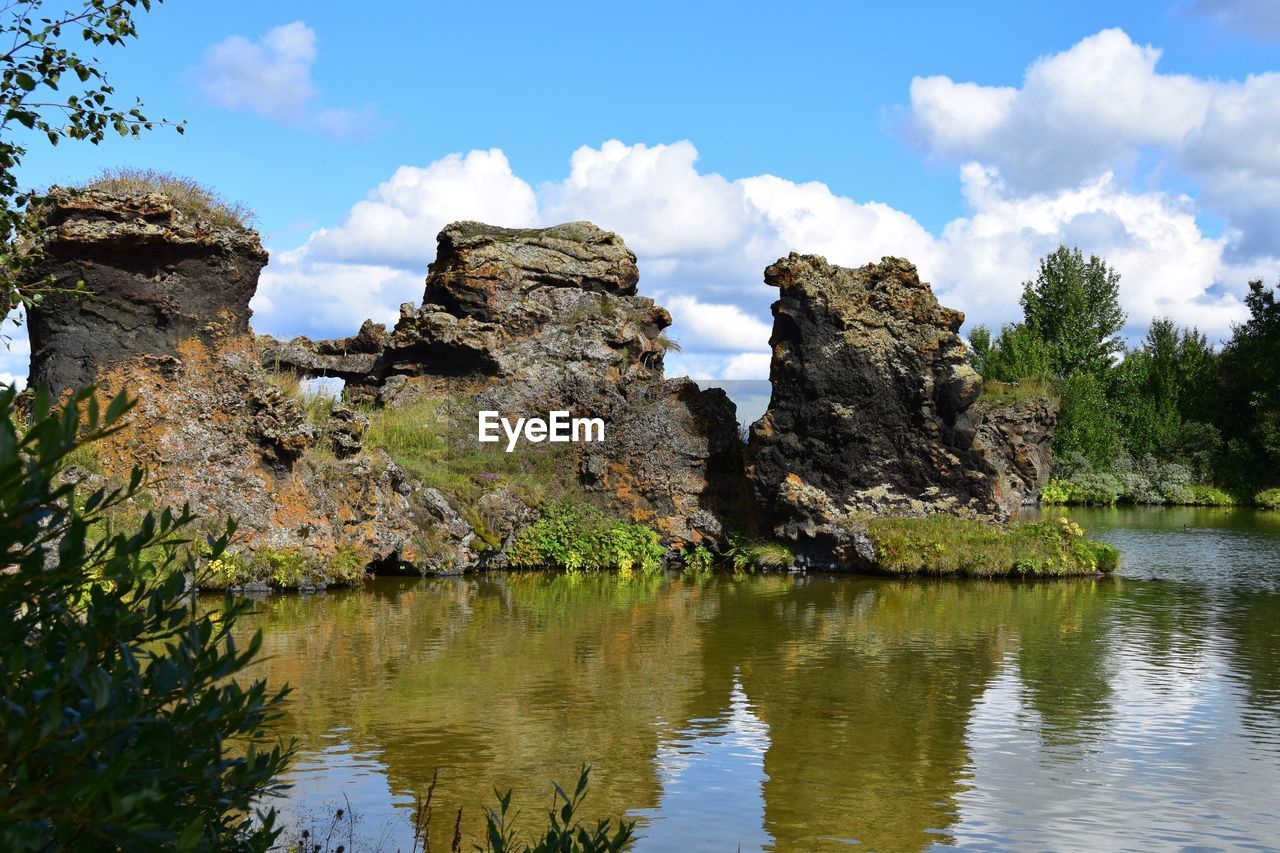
(946,545)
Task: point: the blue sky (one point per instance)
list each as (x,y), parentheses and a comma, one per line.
(715,136)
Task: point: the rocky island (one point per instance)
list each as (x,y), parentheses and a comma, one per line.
(875,420)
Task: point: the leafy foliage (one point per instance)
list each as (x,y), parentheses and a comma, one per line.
(1248,409)
(1268,499)
(1170,420)
(33,72)
(1073,306)
(1087,422)
(565,831)
(123,723)
(577,537)
(946,545)
(1017,354)
(697,558)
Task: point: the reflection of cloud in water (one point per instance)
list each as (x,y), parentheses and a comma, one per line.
(342,775)
(712,776)
(1170,764)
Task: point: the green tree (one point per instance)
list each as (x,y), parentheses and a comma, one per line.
(35,70)
(123,723)
(979,349)
(1018,353)
(1074,307)
(1087,423)
(1248,412)
(1162,387)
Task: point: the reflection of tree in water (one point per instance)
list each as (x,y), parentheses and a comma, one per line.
(1064,642)
(866,688)
(1249,622)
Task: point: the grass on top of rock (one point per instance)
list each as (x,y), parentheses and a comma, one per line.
(946,545)
(577,537)
(1001,394)
(189,196)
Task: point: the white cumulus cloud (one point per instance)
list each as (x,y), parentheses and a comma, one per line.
(1099,108)
(707,268)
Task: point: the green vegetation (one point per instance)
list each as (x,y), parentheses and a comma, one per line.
(697,558)
(577,537)
(1014,393)
(124,723)
(58,94)
(565,832)
(286,568)
(434,438)
(946,545)
(1268,499)
(1170,421)
(741,555)
(187,195)
(745,554)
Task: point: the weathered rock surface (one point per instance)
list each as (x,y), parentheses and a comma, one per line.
(224,439)
(153,277)
(522,321)
(1017,441)
(870,412)
(534,320)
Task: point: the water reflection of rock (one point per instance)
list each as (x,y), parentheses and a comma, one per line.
(864,687)
(496,681)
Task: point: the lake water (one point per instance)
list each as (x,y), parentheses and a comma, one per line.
(814,712)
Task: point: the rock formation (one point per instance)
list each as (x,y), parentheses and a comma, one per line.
(1017,441)
(871,412)
(522,321)
(152,278)
(873,408)
(534,320)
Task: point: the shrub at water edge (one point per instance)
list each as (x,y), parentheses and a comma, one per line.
(946,545)
(578,537)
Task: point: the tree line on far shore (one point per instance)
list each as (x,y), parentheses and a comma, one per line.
(1174,419)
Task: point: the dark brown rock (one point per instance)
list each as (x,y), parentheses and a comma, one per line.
(153,278)
(1017,441)
(483,271)
(869,384)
